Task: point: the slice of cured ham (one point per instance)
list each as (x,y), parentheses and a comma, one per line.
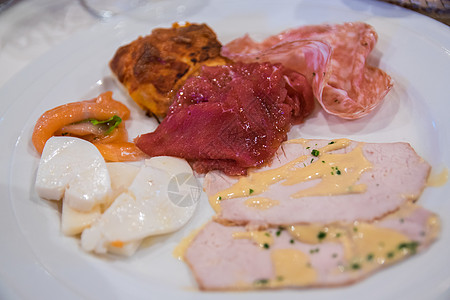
(352,88)
(231,117)
(230,257)
(321,181)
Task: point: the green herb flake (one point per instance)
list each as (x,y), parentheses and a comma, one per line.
(64,133)
(291,241)
(369,256)
(250,191)
(312,159)
(338,234)
(112,123)
(219,198)
(321,235)
(267,234)
(323,161)
(280,229)
(411,247)
(390,254)
(355,266)
(331,143)
(266,246)
(315,152)
(355,229)
(308,147)
(261,281)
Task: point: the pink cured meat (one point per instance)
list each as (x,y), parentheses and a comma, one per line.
(231,117)
(221,262)
(352,88)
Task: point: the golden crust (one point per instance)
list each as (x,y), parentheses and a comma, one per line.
(154,67)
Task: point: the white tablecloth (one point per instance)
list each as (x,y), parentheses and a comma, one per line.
(29,28)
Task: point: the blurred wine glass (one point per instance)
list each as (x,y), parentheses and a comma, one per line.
(108,8)
(4,4)
(155,11)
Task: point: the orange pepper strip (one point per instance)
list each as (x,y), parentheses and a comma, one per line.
(124,151)
(101,108)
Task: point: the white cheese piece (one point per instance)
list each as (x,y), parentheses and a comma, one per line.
(147,208)
(122,176)
(73,168)
(74,222)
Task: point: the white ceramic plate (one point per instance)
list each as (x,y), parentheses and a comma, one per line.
(38,262)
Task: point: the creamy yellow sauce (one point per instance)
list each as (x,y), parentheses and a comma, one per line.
(263,238)
(436,180)
(292,268)
(261,203)
(315,233)
(257,182)
(214,202)
(374,246)
(366,246)
(180,249)
(338,174)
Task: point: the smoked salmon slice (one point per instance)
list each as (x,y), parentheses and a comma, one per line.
(68,119)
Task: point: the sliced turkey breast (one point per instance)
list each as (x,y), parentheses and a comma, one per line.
(231,257)
(321,181)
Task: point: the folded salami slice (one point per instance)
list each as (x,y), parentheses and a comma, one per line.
(351,87)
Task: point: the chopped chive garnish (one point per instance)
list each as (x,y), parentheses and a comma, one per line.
(261,282)
(112,122)
(315,152)
(321,235)
(411,247)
